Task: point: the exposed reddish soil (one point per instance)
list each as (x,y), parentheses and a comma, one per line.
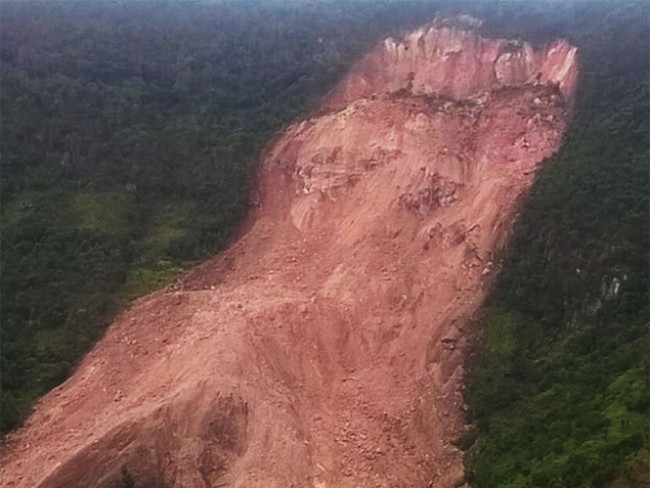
(325,347)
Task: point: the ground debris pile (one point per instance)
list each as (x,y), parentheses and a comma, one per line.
(325,347)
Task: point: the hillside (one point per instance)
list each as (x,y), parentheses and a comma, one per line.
(130,131)
(559,394)
(325,347)
(130,135)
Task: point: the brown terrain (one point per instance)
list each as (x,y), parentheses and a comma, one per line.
(325,347)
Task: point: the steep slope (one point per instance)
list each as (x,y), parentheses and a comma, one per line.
(448,58)
(325,347)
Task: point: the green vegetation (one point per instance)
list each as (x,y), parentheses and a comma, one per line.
(559,390)
(129,133)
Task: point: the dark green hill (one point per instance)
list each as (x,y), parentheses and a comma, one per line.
(559,390)
(129,134)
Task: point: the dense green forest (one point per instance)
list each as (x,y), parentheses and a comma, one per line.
(129,134)
(559,394)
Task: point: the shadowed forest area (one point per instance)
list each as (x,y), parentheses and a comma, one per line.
(130,131)
(559,391)
(129,135)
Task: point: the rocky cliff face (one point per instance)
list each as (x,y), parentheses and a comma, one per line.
(325,347)
(449,58)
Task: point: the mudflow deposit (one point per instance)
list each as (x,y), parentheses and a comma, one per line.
(325,347)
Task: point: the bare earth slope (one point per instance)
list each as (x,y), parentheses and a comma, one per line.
(325,348)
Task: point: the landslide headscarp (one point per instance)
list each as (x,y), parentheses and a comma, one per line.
(325,347)
(447,57)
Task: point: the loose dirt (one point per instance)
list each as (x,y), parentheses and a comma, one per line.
(325,347)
